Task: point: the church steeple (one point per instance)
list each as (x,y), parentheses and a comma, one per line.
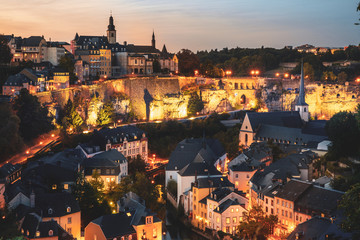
(153,40)
(301,106)
(111,32)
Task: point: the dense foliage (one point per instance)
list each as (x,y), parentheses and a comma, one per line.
(256,224)
(71,119)
(67,63)
(195,104)
(164,137)
(106,114)
(188,62)
(34,118)
(5,54)
(10,139)
(350,203)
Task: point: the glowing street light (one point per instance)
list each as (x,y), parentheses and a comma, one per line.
(196,72)
(286,75)
(277,74)
(228,73)
(358,79)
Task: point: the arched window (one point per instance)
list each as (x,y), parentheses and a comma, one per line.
(304,109)
(68,209)
(51,232)
(50,211)
(246,138)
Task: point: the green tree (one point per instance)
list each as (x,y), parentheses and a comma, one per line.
(156,66)
(106,114)
(350,203)
(89,198)
(195,104)
(5,54)
(34,119)
(136,165)
(72,119)
(343,131)
(342,77)
(8,225)
(172,187)
(67,63)
(256,224)
(328,76)
(10,138)
(309,71)
(188,62)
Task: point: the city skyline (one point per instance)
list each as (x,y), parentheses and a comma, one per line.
(195,25)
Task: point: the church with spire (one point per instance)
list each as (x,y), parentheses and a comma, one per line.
(107,58)
(284,127)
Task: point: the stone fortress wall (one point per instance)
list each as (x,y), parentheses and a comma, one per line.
(166,101)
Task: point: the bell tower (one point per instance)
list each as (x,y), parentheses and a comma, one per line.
(301,106)
(111,32)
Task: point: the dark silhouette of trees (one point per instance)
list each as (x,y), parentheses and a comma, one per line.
(188,62)
(34,118)
(5,54)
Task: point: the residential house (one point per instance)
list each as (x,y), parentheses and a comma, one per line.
(110,165)
(34,228)
(225,210)
(188,149)
(129,140)
(9,174)
(195,206)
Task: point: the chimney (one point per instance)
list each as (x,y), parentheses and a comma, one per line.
(125,43)
(32,199)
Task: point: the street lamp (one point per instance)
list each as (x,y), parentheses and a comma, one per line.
(196,72)
(228,73)
(286,75)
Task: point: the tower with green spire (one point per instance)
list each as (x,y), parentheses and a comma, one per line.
(301,106)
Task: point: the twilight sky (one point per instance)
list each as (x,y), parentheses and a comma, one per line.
(192,24)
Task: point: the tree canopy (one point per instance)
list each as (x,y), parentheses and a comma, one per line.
(188,62)
(5,54)
(10,139)
(343,131)
(34,118)
(256,224)
(195,104)
(350,203)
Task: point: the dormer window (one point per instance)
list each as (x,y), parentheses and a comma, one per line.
(68,209)
(50,211)
(51,233)
(149,220)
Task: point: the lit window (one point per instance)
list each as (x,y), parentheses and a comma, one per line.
(38,233)
(51,232)
(66,186)
(68,209)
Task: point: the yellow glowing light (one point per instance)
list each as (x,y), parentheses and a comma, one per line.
(196,72)
(86,131)
(257,72)
(286,75)
(40,143)
(52,135)
(252,72)
(128,214)
(277,74)
(27,152)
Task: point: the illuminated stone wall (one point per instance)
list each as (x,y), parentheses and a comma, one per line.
(324,99)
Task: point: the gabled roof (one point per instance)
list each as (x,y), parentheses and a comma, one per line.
(319,199)
(56,204)
(242,167)
(141,49)
(33,41)
(218,194)
(213,182)
(226,204)
(199,169)
(7,169)
(113,155)
(319,228)
(116,225)
(190,149)
(117,135)
(290,119)
(17,80)
(293,190)
(49,172)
